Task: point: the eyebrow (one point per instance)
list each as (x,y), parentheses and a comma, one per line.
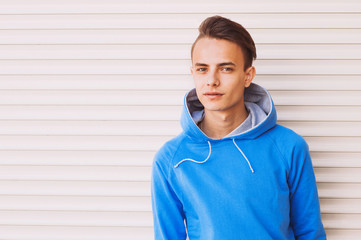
(218,65)
(201,64)
(225,64)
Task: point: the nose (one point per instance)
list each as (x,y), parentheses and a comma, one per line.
(213,79)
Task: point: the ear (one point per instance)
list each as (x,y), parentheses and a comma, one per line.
(250,73)
(191,68)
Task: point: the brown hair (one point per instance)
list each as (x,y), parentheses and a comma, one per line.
(222,28)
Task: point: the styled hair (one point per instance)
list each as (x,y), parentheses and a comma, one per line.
(222,28)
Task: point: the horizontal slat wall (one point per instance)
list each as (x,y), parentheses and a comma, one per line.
(89,90)
(178,52)
(185,6)
(172,36)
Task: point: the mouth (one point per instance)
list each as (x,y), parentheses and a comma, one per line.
(213,95)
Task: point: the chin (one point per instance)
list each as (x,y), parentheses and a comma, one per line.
(214,108)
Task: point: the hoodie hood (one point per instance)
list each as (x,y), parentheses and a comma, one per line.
(257,101)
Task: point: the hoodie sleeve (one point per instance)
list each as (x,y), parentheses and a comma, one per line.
(305,208)
(168,215)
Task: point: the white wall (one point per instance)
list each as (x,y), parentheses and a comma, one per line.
(89,90)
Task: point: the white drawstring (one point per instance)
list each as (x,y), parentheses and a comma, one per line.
(189,159)
(209,154)
(239,149)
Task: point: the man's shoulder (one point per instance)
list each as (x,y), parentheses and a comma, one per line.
(290,145)
(286,137)
(166,152)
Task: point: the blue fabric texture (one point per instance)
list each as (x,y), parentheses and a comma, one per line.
(256,183)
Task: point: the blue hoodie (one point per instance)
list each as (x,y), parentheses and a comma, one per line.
(255,183)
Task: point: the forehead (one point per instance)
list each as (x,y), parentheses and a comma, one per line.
(214,51)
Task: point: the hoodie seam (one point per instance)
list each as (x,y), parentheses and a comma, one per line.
(281,154)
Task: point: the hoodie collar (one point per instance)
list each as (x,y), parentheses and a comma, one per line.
(258,102)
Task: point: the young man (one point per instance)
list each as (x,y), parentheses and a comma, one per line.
(233,173)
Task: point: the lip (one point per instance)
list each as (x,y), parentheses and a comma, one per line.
(213,95)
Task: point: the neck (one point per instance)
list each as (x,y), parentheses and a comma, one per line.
(218,124)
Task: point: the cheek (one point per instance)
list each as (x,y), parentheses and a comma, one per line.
(200,96)
(237,94)
(198,83)
(199,89)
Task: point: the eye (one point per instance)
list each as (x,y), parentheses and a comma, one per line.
(227,69)
(201,69)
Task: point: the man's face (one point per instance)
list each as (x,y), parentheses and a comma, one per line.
(219,76)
